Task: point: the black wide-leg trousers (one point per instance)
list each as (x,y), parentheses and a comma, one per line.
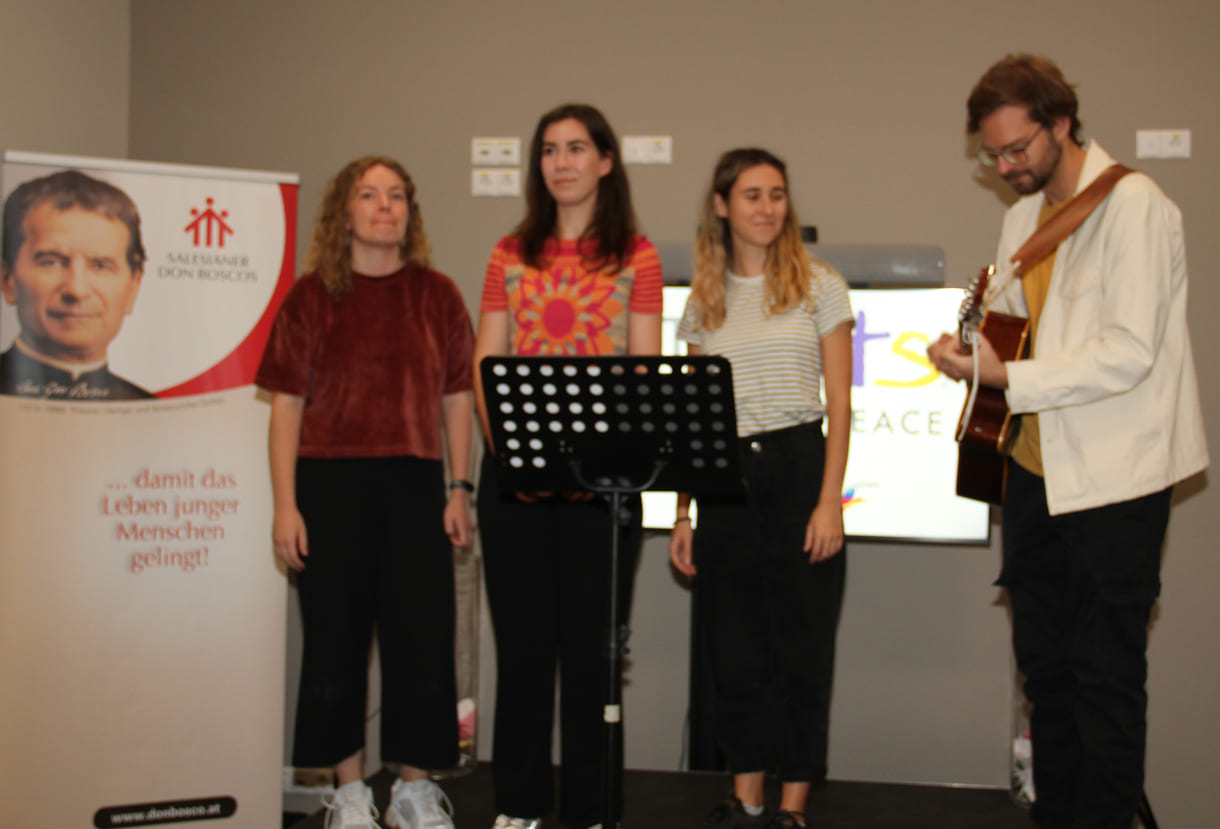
(547,570)
(768,615)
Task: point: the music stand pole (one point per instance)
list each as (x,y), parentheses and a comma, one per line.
(617,635)
(616,647)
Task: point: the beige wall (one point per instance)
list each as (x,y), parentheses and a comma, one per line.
(865,100)
(64,77)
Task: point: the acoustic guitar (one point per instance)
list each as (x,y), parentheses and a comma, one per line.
(986,426)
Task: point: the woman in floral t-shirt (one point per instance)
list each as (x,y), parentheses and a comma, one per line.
(573,279)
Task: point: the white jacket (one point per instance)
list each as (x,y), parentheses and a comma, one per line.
(1114,378)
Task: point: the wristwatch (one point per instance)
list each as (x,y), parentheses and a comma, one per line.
(458,483)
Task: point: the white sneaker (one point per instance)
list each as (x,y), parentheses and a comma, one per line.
(350,807)
(506,822)
(419,804)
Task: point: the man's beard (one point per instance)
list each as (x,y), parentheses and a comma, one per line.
(1037,179)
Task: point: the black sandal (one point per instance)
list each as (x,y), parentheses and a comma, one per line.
(787,820)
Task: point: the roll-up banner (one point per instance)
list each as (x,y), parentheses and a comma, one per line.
(141,610)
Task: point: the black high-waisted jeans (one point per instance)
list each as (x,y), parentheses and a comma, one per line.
(770,616)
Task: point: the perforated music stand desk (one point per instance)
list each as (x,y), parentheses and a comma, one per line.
(616,426)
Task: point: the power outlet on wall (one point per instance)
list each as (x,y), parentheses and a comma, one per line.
(648,149)
(1162,143)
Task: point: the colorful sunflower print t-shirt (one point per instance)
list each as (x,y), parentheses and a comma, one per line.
(566,308)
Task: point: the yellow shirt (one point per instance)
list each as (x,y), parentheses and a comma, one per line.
(1027,448)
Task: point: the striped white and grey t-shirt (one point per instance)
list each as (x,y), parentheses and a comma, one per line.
(776,358)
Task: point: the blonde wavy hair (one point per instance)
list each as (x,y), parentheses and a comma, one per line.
(788,265)
(330,253)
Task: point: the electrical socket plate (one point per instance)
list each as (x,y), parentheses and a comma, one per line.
(491,152)
(1162,143)
(495,181)
(648,149)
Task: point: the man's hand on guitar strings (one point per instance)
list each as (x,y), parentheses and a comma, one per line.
(939,354)
(946,356)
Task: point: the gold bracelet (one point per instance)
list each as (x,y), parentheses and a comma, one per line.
(683,520)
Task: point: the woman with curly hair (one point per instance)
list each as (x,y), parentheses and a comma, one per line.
(369,365)
(574,278)
(770,563)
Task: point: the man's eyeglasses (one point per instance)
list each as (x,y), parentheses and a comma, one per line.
(1015,154)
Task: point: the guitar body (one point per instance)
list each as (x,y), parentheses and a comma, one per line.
(981,473)
(986,427)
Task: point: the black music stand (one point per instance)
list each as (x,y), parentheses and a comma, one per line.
(616,426)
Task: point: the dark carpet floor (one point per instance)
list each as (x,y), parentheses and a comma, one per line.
(680,800)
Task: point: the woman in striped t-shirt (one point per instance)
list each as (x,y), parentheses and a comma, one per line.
(770,563)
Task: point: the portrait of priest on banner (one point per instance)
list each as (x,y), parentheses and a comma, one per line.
(73,260)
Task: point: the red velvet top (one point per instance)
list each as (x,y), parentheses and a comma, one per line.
(373,364)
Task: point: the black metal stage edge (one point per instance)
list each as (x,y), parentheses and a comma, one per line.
(681,800)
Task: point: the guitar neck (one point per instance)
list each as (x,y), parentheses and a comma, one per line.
(965,330)
(970,317)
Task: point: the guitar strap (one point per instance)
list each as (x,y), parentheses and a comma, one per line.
(1060,226)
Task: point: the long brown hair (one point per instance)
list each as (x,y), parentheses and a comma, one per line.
(330,253)
(787,266)
(613,225)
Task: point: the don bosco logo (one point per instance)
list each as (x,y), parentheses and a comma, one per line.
(208,224)
(208,229)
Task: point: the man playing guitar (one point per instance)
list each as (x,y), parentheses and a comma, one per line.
(1109,421)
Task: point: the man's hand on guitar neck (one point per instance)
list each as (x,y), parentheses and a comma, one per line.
(947,357)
